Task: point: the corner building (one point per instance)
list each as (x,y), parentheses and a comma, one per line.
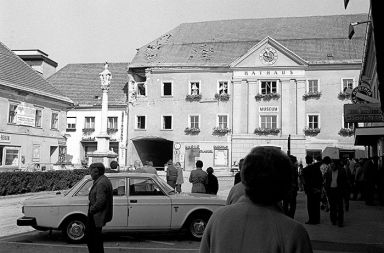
(245,83)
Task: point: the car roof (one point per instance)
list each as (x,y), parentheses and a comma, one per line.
(127,174)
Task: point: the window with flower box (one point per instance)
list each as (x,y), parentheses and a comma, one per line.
(268,87)
(268,121)
(222,121)
(194,121)
(222,87)
(313,121)
(313,86)
(194,88)
(347,83)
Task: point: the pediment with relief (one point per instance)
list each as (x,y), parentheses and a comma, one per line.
(268,53)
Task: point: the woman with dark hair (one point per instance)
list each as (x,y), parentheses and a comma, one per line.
(256,223)
(212,185)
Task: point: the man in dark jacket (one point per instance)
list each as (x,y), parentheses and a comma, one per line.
(100,209)
(335,185)
(313,181)
(289,201)
(212,186)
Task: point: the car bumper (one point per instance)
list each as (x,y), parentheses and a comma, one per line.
(26,221)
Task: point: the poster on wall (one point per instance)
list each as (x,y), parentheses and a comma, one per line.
(220,157)
(25,115)
(36,153)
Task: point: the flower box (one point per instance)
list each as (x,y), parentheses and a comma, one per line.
(312,95)
(192,98)
(87,131)
(220,131)
(343,96)
(222,96)
(346,132)
(311,131)
(192,130)
(267,97)
(266,131)
(112,130)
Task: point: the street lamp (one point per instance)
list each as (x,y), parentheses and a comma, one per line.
(351,31)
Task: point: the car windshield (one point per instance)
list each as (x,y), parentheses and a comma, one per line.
(70,189)
(165,186)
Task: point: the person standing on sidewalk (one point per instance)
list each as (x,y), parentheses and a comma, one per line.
(237,175)
(180,177)
(336,183)
(100,209)
(198,178)
(313,182)
(212,186)
(289,202)
(256,223)
(171,174)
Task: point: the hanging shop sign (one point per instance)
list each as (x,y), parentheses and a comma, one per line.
(363,113)
(362,94)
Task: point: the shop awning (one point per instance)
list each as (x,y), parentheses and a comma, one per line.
(368,135)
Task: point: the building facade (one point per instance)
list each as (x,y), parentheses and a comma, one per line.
(81,83)
(245,83)
(32,117)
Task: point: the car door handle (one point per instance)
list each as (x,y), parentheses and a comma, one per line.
(133,201)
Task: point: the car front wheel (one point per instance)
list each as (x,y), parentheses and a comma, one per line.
(74,229)
(197,226)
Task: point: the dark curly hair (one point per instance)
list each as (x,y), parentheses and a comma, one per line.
(99,166)
(199,164)
(266,174)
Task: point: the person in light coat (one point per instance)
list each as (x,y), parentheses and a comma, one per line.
(180,177)
(198,178)
(256,223)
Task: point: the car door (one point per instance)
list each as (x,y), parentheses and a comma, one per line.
(149,206)
(120,204)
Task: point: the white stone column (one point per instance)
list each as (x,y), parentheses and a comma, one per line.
(253,109)
(301,112)
(287,115)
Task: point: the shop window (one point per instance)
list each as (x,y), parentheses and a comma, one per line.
(167,122)
(112,123)
(223,87)
(268,87)
(140,122)
(71,124)
(12,113)
(11,156)
(194,88)
(222,121)
(38,117)
(313,86)
(167,89)
(194,121)
(268,121)
(313,121)
(55,121)
(347,84)
(89,123)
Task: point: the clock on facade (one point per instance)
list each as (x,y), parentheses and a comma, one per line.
(268,56)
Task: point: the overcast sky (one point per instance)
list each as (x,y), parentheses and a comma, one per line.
(88,31)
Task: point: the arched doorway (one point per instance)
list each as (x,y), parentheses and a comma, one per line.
(155,149)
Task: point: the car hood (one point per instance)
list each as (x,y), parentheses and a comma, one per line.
(51,198)
(197,198)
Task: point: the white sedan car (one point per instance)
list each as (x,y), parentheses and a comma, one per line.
(141,202)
